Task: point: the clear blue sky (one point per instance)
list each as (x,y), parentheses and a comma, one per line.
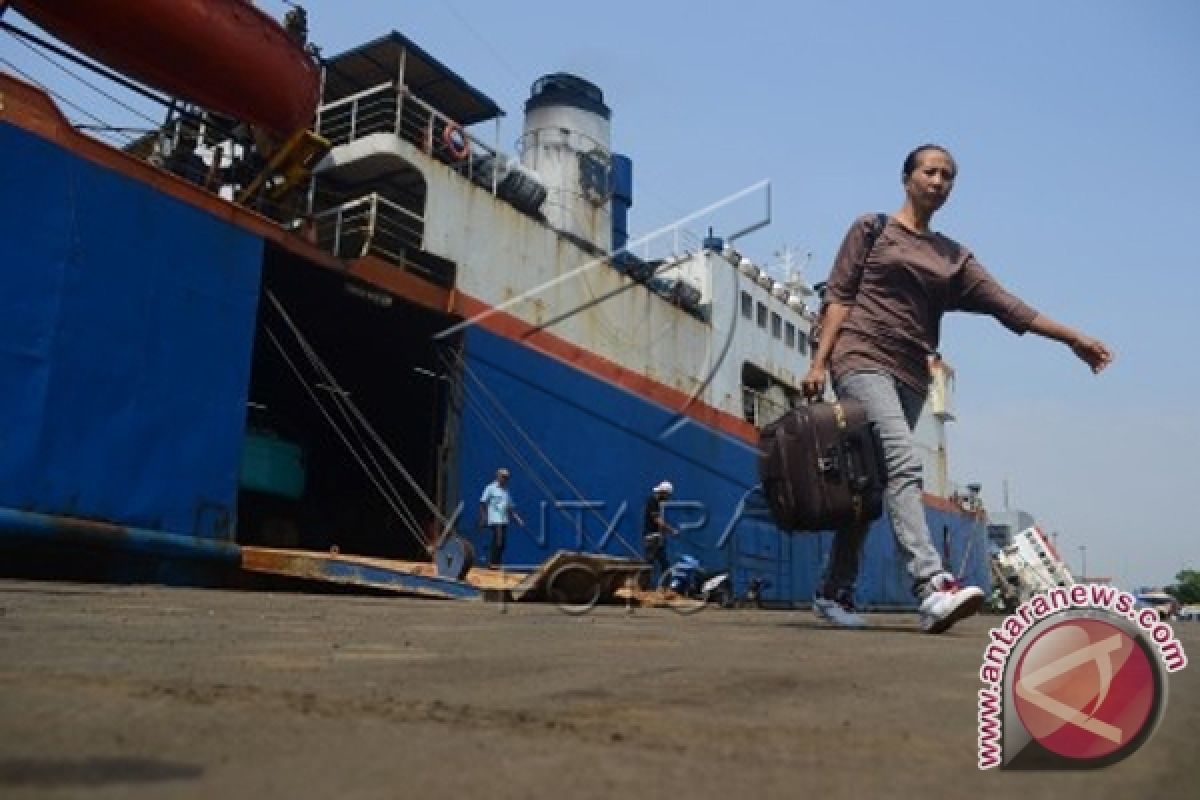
(1076,126)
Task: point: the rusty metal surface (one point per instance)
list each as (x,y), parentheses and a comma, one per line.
(97,534)
(402,577)
(598,576)
(590,572)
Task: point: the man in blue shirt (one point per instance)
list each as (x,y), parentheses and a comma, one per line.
(495,510)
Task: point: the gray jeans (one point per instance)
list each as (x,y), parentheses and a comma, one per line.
(894,408)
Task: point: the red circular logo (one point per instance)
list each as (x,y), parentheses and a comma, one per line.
(1085,689)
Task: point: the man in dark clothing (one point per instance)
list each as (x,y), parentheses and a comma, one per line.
(655,529)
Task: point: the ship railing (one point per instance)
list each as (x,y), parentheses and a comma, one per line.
(675,243)
(372,224)
(361,114)
(391,108)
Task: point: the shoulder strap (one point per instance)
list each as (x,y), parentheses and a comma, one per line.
(873,231)
(878,223)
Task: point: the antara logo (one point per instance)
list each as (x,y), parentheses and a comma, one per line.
(1074,679)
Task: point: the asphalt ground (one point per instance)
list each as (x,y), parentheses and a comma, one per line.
(145,691)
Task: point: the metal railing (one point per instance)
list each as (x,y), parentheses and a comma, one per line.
(370,111)
(674,243)
(369,224)
(388,108)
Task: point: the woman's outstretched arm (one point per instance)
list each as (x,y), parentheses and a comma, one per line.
(1091,351)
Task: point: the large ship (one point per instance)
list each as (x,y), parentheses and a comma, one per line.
(281,326)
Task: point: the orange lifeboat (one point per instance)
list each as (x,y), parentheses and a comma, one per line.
(224,55)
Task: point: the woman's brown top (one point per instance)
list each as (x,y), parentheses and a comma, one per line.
(897,297)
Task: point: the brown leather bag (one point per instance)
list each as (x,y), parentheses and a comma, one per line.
(822,467)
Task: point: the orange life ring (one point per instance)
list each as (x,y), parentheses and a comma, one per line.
(456,141)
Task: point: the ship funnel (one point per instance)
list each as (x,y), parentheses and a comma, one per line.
(566,141)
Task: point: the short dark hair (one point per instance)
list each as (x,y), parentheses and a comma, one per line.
(910,161)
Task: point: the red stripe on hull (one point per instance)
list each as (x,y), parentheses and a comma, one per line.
(512,327)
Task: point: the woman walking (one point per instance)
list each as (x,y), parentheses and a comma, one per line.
(891,282)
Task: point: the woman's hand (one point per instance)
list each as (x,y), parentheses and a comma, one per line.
(832,317)
(813,384)
(1092,352)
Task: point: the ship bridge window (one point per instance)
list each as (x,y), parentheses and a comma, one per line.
(776,325)
(802,342)
(764,398)
(747,305)
(789,335)
(762,315)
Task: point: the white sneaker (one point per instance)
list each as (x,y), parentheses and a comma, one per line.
(948,603)
(839,610)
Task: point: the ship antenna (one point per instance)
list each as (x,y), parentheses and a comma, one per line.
(793,273)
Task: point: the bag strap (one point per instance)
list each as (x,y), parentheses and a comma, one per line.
(873,231)
(875,228)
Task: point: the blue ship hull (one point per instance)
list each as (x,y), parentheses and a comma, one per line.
(126,328)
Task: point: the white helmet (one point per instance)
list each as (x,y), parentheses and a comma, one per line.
(665,487)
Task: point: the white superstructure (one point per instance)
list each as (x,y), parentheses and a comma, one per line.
(567,143)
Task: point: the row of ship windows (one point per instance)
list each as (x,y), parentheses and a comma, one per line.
(1044,555)
(779,329)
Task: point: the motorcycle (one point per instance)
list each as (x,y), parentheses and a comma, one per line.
(686,578)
